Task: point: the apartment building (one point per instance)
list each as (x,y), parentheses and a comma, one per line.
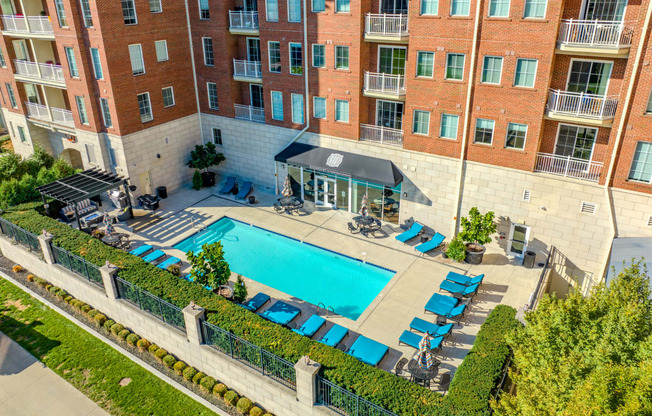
(534,109)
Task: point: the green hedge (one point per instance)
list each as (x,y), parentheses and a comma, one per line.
(479,373)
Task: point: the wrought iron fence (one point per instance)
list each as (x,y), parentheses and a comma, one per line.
(77,265)
(268,364)
(165,311)
(346,403)
(21,236)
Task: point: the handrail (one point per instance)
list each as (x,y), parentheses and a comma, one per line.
(595,33)
(240,19)
(581,104)
(384,83)
(382,135)
(568,166)
(386,24)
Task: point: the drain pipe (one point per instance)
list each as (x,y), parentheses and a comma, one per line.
(467,117)
(621,130)
(194,73)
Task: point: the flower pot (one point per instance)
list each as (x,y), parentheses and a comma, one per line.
(474,253)
(226,292)
(208,179)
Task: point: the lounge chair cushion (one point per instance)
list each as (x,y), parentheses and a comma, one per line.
(440,304)
(244,190)
(457,311)
(411,233)
(464,280)
(139,251)
(368,351)
(256,302)
(153,256)
(168,262)
(311,326)
(413,340)
(334,336)
(434,242)
(458,289)
(281,313)
(228,186)
(433,329)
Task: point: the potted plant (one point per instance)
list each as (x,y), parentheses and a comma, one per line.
(209,267)
(456,250)
(476,231)
(240,290)
(197,181)
(202,158)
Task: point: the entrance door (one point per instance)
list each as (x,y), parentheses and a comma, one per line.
(589,77)
(32,94)
(20,48)
(610,10)
(256,95)
(389,114)
(394,6)
(251,5)
(326,191)
(519,235)
(391,60)
(253,49)
(145,181)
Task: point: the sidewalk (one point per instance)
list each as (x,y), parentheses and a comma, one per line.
(27,387)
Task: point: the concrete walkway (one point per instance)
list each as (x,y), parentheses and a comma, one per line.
(27,387)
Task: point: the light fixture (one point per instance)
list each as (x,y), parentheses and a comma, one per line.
(404,194)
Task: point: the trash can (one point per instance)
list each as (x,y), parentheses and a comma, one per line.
(528,260)
(424,238)
(252,199)
(162,192)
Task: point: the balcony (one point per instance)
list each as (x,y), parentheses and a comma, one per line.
(247,71)
(50,114)
(595,110)
(382,135)
(379,85)
(48,74)
(568,167)
(598,38)
(243,23)
(249,113)
(30,26)
(392,28)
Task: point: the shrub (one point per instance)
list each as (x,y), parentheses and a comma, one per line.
(40,281)
(189,373)
(456,250)
(30,277)
(117,328)
(48,286)
(268,414)
(143,344)
(179,366)
(239,290)
(93,312)
(207,383)
(153,348)
(17,268)
(124,334)
(231,397)
(197,182)
(68,298)
(220,389)
(244,405)
(256,411)
(160,353)
(132,339)
(108,324)
(174,269)
(169,361)
(197,378)
(99,319)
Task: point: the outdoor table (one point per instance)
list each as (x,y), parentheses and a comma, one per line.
(91,219)
(388,201)
(423,375)
(289,200)
(111,239)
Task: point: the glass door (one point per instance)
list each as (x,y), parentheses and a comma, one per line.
(256,95)
(326,191)
(253,49)
(20,48)
(394,6)
(576,142)
(518,237)
(389,114)
(589,77)
(391,60)
(32,94)
(609,10)
(251,5)
(7,7)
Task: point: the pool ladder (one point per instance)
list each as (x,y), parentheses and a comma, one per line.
(197,226)
(326,308)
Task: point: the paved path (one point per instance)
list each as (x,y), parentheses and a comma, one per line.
(27,387)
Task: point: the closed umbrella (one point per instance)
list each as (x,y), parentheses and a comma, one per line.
(287,187)
(364,209)
(108,227)
(424,356)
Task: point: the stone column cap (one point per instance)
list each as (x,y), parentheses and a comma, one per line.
(193,310)
(306,365)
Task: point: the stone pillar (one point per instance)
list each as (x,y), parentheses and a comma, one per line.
(108,272)
(46,247)
(306,378)
(192,315)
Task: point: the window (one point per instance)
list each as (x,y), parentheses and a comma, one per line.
(97,63)
(429,7)
(3,63)
(61,13)
(319,107)
(274,56)
(526,70)
(484,131)
(642,163)
(535,9)
(90,152)
(155,6)
(277,105)
(425,63)
(145,107)
(492,69)
(499,8)
(212,95)
(342,111)
(136,57)
(272,10)
(319,56)
(12,97)
(575,141)
(81,108)
(209,59)
(297,109)
(516,136)
(129,12)
(217,136)
(455,66)
(21,134)
(72,63)
(106,112)
(318,6)
(86,13)
(204,12)
(294,10)
(341,57)
(648,109)
(342,6)
(460,7)
(161,50)
(296,59)
(168,96)
(448,128)
(420,122)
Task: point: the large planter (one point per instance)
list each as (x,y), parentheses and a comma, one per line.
(474,256)
(225,291)
(208,179)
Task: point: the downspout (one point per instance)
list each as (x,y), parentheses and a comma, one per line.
(194,73)
(467,116)
(621,129)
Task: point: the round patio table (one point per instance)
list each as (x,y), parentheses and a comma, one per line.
(366,221)
(423,375)
(289,200)
(110,239)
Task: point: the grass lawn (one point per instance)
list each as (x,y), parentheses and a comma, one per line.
(87,363)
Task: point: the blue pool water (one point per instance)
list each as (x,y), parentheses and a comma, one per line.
(301,270)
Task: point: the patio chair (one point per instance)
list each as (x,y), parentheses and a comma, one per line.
(311,326)
(457,289)
(440,304)
(461,279)
(400,365)
(414,231)
(352,228)
(281,313)
(228,186)
(413,340)
(433,329)
(434,242)
(244,190)
(334,336)
(140,251)
(154,256)
(445,381)
(256,302)
(279,209)
(368,351)
(168,262)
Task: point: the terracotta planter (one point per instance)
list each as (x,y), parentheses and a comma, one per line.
(475,255)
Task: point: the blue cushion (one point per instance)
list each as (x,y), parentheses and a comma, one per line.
(281,313)
(256,302)
(368,351)
(434,242)
(455,288)
(413,340)
(456,311)
(168,262)
(153,256)
(411,233)
(311,326)
(139,251)
(464,280)
(440,304)
(433,329)
(334,336)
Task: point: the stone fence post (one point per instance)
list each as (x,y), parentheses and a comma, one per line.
(192,315)
(306,378)
(46,247)
(108,273)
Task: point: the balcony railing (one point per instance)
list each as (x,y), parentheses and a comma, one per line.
(583,105)
(38,25)
(568,166)
(243,20)
(248,112)
(382,135)
(55,115)
(386,24)
(384,83)
(595,33)
(47,71)
(247,69)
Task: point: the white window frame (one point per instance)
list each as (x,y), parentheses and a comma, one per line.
(303,109)
(348,58)
(648,105)
(427,133)
(272,101)
(314,106)
(509,6)
(348,111)
(269,56)
(142,59)
(441,125)
(291,44)
(312,7)
(133,6)
(427,14)
(21,134)
(527,127)
(432,67)
(167,55)
(446,66)
(631,165)
(536,69)
(203,48)
(579,126)
(545,11)
(95,67)
(221,143)
(500,73)
(61,13)
(288,11)
(160,6)
(174,101)
(12,95)
(80,102)
(337,7)
(208,96)
(149,102)
(462,15)
(72,63)
(106,109)
(199,9)
(87,15)
(323,57)
(493,131)
(267,8)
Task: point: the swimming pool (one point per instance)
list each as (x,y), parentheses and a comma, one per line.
(308,272)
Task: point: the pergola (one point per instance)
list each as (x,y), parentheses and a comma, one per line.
(82,186)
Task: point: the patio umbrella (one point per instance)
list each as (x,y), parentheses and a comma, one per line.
(364,209)
(287,187)
(424,356)
(108,227)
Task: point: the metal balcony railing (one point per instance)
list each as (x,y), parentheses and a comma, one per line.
(42,71)
(583,105)
(568,166)
(382,135)
(247,69)
(37,25)
(595,33)
(248,112)
(384,83)
(243,20)
(52,114)
(386,24)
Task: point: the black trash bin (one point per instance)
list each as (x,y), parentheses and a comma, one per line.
(528,260)
(162,192)
(252,199)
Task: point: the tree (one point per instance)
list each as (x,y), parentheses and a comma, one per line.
(240,290)
(208,266)
(586,356)
(478,228)
(203,157)
(10,166)
(196,181)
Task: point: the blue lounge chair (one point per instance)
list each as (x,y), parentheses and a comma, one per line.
(412,339)
(457,289)
(368,351)
(440,304)
(139,251)
(465,280)
(228,186)
(244,190)
(168,262)
(154,256)
(414,231)
(256,302)
(434,330)
(311,326)
(334,336)
(281,313)
(434,242)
